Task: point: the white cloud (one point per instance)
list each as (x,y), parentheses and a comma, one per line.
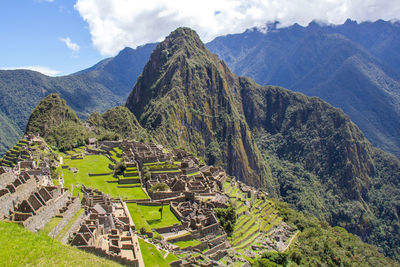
(44,70)
(114,24)
(71,45)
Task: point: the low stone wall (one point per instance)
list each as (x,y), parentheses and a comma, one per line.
(181,238)
(130,174)
(218,255)
(100,174)
(162,194)
(217,240)
(129,181)
(219,247)
(169,174)
(67,216)
(169,229)
(201,246)
(101,253)
(95,151)
(45,213)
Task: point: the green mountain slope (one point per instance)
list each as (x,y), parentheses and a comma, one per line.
(352,66)
(313,155)
(186,97)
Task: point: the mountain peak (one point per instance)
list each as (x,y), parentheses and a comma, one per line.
(182,38)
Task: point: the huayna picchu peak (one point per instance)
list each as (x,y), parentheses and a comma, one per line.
(202,167)
(188,98)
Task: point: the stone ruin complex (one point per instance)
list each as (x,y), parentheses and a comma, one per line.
(28,197)
(107,229)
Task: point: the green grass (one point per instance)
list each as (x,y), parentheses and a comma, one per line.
(63,232)
(193,174)
(153,218)
(118,150)
(151,256)
(20,247)
(184,244)
(97,164)
(51,224)
(171,257)
(137,217)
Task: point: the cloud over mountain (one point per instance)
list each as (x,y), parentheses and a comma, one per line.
(115,24)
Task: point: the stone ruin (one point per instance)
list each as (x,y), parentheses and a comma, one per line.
(107,229)
(30,199)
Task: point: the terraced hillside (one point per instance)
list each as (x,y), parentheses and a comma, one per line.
(257,218)
(17,152)
(97,171)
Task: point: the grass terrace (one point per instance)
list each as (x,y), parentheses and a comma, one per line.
(149,216)
(188,243)
(97,164)
(151,256)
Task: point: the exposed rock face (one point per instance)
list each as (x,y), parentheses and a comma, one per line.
(187,97)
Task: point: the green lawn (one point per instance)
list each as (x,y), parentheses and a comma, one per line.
(151,256)
(20,247)
(184,244)
(153,217)
(97,164)
(137,217)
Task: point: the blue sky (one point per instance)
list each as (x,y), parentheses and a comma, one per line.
(59,37)
(32,32)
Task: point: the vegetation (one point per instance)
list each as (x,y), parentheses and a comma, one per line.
(227,217)
(120,167)
(159,187)
(20,247)
(118,120)
(319,244)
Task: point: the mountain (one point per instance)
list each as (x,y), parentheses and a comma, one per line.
(355,67)
(299,148)
(57,123)
(98,88)
(187,97)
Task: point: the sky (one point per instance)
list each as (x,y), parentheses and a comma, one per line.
(59,37)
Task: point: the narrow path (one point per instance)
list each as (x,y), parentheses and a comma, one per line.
(290,241)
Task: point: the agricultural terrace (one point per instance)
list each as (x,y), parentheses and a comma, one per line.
(95,164)
(255,218)
(149,217)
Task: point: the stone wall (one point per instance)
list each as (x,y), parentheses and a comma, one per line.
(22,192)
(169,229)
(163,194)
(45,213)
(67,216)
(101,253)
(219,247)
